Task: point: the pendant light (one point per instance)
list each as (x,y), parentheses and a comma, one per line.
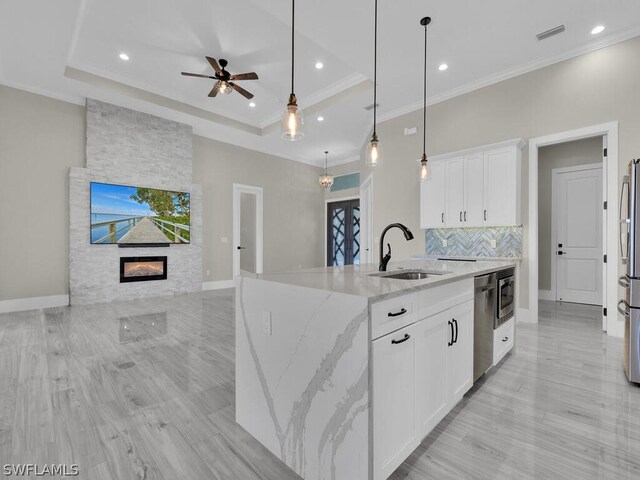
(325,179)
(374,149)
(424,172)
(292,116)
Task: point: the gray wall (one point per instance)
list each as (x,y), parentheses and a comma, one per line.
(595,88)
(40,138)
(570,154)
(293,202)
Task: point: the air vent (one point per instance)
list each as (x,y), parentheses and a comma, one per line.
(370,107)
(550,33)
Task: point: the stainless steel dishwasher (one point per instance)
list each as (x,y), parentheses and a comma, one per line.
(484,311)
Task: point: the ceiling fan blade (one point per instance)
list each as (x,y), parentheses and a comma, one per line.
(214,64)
(197,75)
(241,91)
(214,91)
(245,76)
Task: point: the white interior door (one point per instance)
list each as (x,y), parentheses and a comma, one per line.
(247,230)
(577,201)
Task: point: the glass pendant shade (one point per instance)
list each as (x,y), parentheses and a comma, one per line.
(424,172)
(374,152)
(292,122)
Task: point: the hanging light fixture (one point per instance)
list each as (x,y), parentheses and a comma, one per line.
(374,149)
(292,116)
(325,179)
(424,172)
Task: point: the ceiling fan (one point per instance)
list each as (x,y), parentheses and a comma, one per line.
(224,84)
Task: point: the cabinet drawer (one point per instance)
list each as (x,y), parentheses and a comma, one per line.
(437,299)
(390,315)
(503,340)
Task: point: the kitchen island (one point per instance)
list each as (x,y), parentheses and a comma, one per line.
(342,372)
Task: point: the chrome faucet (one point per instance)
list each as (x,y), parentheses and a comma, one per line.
(384,260)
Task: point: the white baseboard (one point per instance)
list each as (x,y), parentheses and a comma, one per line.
(547,295)
(524,315)
(33,303)
(218,285)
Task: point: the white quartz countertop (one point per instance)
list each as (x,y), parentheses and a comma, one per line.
(358,279)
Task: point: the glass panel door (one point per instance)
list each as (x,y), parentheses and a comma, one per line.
(343,233)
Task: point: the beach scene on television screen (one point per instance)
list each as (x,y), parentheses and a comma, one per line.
(136,215)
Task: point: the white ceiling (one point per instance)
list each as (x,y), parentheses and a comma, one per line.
(482,42)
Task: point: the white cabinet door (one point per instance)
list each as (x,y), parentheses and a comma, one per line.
(474,190)
(454,192)
(431,335)
(394,423)
(432,197)
(459,351)
(501,181)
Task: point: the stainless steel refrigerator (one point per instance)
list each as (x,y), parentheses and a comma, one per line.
(630,251)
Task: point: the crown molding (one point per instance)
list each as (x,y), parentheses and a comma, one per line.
(512,73)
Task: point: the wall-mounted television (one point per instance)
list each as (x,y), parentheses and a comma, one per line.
(126,215)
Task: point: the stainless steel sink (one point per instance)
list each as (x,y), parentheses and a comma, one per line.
(409,274)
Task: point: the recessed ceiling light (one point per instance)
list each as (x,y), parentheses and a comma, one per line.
(443,67)
(319,65)
(321,119)
(598,29)
(252,104)
(124,56)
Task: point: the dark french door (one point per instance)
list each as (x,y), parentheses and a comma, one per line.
(343,233)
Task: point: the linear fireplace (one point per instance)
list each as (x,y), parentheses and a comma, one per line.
(141,269)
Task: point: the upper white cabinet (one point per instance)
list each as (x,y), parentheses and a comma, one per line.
(475,188)
(432,193)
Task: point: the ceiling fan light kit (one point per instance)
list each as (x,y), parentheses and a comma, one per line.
(374,149)
(292,117)
(424,172)
(225,81)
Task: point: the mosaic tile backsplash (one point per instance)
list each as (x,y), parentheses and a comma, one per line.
(474,242)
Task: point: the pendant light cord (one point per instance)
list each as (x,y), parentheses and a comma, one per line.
(375,66)
(293,25)
(424,112)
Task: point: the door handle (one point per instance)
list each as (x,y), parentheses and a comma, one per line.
(505,339)
(450,342)
(397,342)
(624,312)
(625,184)
(455,340)
(397,314)
(241,248)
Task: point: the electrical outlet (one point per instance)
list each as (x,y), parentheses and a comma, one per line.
(445,242)
(493,243)
(266,323)
(411,131)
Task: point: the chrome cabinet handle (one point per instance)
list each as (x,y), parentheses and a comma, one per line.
(624,312)
(623,282)
(397,342)
(397,314)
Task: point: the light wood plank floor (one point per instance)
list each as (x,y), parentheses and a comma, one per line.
(145,390)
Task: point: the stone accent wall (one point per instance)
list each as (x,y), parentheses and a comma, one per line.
(131,148)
